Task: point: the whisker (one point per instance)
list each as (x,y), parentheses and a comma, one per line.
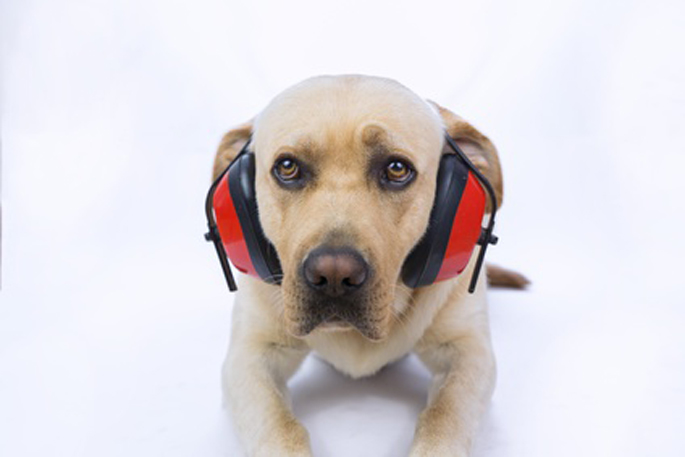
(401,318)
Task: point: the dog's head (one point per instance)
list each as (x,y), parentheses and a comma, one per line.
(345,179)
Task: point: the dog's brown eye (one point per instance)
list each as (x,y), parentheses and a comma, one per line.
(398,172)
(287,169)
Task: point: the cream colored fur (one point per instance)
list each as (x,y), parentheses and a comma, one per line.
(334,119)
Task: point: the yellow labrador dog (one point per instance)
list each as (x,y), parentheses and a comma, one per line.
(345,179)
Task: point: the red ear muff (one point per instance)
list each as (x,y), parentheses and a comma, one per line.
(454,226)
(236,230)
(465,231)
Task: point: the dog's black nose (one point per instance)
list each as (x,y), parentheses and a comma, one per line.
(335,271)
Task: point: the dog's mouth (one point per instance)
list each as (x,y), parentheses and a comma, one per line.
(321,321)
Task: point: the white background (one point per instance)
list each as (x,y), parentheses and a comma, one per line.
(114,317)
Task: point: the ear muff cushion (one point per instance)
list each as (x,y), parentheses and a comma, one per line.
(235,206)
(424,263)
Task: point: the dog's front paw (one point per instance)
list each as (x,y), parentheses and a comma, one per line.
(436,436)
(289,439)
(426,449)
(432,446)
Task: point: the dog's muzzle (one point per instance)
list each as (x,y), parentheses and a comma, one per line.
(336,281)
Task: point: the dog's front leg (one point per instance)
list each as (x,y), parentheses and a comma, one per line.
(255,372)
(463,370)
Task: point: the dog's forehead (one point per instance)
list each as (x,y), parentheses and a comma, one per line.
(337,111)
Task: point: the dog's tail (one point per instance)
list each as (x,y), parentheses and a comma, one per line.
(502,277)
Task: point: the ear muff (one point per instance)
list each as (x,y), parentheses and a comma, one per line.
(443,252)
(240,234)
(454,226)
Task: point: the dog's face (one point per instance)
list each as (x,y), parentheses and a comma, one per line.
(346,170)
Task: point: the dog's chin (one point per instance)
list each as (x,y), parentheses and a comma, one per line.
(334,324)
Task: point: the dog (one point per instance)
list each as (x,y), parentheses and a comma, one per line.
(345,179)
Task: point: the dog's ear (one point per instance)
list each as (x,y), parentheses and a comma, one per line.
(230,146)
(476,146)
